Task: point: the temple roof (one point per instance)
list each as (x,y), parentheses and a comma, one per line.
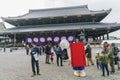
(81,12)
(90,28)
(54,12)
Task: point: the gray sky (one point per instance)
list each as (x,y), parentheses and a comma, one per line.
(11,8)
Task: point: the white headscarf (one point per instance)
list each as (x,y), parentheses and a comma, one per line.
(64,44)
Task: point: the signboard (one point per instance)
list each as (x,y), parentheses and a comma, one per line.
(43,39)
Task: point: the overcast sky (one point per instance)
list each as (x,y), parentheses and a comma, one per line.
(11,8)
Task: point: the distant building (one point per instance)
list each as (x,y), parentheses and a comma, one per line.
(57,23)
(2,26)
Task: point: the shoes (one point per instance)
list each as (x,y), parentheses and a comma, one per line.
(76,73)
(39,74)
(33,75)
(103,75)
(82,73)
(61,65)
(47,63)
(112,72)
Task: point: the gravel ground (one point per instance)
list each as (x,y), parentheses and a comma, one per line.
(17,66)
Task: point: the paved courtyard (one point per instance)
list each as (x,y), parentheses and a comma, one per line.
(17,66)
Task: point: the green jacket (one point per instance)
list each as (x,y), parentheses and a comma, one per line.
(104,59)
(111,53)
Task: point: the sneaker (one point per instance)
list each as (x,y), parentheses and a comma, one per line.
(76,73)
(103,75)
(61,65)
(48,63)
(112,72)
(33,75)
(39,74)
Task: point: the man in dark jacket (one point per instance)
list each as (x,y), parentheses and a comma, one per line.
(89,55)
(48,51)
(35,51)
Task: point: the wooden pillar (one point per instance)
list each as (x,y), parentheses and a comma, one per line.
(4,42)
(14,40)
(86,37)
(96,38)
(107,36)
(100,38)
(103,37)
(93,38)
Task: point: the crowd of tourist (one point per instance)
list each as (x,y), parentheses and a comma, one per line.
(107,57)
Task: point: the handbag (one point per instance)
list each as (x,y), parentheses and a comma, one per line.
(65,55)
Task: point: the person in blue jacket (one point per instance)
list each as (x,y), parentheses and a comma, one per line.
(58,52)
(35,51)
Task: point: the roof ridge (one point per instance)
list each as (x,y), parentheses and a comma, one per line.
(59,8)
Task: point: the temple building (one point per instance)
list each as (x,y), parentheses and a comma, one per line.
(53,24)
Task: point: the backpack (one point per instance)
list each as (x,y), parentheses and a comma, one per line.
(116,50)
(58,50)
(48,50)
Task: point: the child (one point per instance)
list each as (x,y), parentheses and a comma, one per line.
(104,63)
(98,62)
(27,49)
(52,57)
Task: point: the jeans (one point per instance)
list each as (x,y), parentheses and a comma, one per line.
(105,66)
(59,56)
(35,63)
(118,63)
(47,58)
(98,64)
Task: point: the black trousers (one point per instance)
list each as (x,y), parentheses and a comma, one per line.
(98,64)
(51,59)
(35,64)
(27,52)
(105,66)
(59,56)
(47,58)
(65,54)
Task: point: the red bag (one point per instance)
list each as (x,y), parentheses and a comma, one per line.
(78,57)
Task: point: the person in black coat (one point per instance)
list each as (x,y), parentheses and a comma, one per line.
(89,55)
(35,51)
(48,48)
